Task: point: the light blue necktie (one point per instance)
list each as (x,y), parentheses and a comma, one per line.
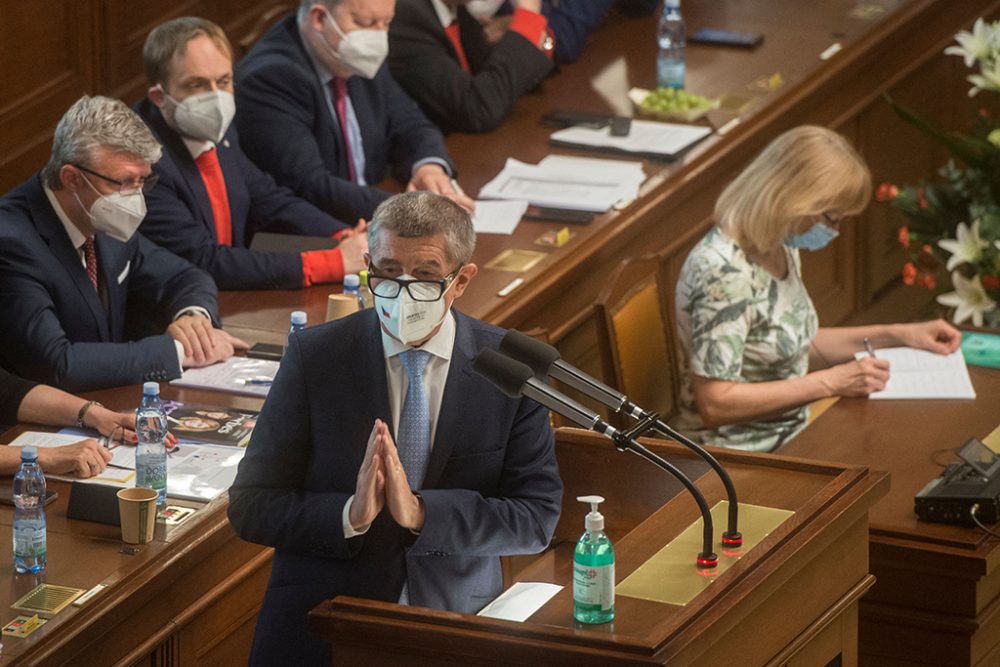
(414,437)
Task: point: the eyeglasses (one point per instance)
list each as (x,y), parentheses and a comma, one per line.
(419,290)
(145,184)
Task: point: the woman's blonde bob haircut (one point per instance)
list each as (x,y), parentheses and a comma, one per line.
(807,171)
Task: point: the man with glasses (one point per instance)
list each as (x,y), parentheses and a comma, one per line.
(381,467)
(81,292)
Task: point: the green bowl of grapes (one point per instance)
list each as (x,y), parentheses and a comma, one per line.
(671,104)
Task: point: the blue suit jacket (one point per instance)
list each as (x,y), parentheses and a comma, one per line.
(492,486)
(54,328)
(287,129)
(572,21)
(180,214)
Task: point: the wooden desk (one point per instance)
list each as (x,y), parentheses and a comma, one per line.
(899,51)
(791,600)
(937,599)
(189,597)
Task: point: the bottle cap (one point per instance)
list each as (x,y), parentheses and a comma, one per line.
(352,280)
(672,4)
(595,520)
(298,317)
(29,453)
(150,388)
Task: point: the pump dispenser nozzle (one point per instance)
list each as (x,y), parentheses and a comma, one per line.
(595,520)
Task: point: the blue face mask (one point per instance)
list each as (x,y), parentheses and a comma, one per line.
(814,238)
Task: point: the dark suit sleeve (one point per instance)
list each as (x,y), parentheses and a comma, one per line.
(165,284)
(572,21)
(37,347)
(423,64)
(412,136)
(13,389)
(277,126)
(268,503)
(521,517)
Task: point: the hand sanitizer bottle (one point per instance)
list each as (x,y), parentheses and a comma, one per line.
(594,570)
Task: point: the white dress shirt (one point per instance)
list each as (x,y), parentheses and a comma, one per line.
(440,347)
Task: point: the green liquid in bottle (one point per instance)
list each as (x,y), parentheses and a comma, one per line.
(594,579)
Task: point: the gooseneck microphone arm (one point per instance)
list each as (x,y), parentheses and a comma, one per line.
(544,361)
(516,379)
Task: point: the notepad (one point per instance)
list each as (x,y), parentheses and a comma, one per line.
(921,374)
(520,601)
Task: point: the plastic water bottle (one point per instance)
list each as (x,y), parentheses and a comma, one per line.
(365,290)
(299,320)
(29,514)
(670,39)
(352,287)
(151,453)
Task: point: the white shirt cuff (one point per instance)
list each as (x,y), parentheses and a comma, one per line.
(180,354)
(349,531)
(431,160)
(192,310)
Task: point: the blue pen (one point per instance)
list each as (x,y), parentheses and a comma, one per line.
(259,381)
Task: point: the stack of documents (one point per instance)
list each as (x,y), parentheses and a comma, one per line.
(236,375)
(498,217)
(921,374)
(646,138)
(559,181)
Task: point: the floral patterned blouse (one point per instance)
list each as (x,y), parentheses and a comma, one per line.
(738,322)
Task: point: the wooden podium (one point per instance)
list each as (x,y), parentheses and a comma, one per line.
(792,599)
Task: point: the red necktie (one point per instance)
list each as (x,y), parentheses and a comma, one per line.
(215,185)
(339,88)
(90,256)
(456,41)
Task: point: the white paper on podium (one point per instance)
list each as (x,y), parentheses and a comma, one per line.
(645,137)
(498,217)
(921,374)
(520,601)
(549,187)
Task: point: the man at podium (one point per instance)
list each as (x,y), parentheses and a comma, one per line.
(380,466)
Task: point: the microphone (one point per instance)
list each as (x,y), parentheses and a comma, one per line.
(516,379)
(545,361)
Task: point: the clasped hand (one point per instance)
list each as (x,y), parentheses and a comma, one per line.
(203,344)
(382,482)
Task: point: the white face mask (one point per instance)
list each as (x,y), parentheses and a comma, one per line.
(408,320)
(116,215)
(483,9)
(205,116)
(361,52)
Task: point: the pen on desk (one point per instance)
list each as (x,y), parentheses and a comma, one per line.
(869,349)
(261,381)
(457,188)
(511,286)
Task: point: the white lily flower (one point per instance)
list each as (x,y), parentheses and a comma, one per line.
(967,248)
(975,45)
(969,299)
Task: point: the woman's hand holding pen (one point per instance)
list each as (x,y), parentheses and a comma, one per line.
(860,377)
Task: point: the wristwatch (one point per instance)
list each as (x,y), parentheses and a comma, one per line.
(548,44)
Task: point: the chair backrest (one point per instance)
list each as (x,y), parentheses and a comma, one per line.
(634,335)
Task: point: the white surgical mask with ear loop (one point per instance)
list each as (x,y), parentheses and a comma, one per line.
(408,320)
(116,215)
(205,116)
(362,52)
(483,9)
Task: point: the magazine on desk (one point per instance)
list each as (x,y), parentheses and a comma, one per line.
(209,423)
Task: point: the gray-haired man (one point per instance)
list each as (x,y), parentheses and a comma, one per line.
(408,482)
(80,291)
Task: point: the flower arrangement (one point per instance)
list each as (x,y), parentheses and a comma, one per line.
(957,217)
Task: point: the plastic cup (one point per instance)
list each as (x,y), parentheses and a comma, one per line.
(340,305)
(137,507)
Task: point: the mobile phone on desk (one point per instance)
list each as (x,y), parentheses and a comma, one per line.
(718,37)
(266,351)
(566,215)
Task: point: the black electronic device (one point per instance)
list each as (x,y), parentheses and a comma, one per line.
(950,497)
(718,37)
(559,215)
(266,351)
(619,125)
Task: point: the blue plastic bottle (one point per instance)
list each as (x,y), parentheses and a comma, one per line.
(594,570)
(670,39)
(352,287)
(298,321)
(29,514)
(151,453)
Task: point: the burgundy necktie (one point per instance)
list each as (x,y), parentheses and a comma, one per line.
(339,88)
(90,256)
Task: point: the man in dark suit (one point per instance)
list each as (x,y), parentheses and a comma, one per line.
(322,114)
(210,198)
(78,287)
(409,483)
(439,54)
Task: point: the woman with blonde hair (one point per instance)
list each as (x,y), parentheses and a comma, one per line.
(747,327)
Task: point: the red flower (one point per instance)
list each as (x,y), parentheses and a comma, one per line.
(927,280)
(927,249)
(921,199)
(991,282)
(886,191)
(909,273)
(904,236)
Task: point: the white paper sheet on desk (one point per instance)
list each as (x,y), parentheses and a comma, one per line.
(122,457)
(546,187)
(229,376)
(921,374)
(645,137)
(498,217)
(520,601)
(628,173)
